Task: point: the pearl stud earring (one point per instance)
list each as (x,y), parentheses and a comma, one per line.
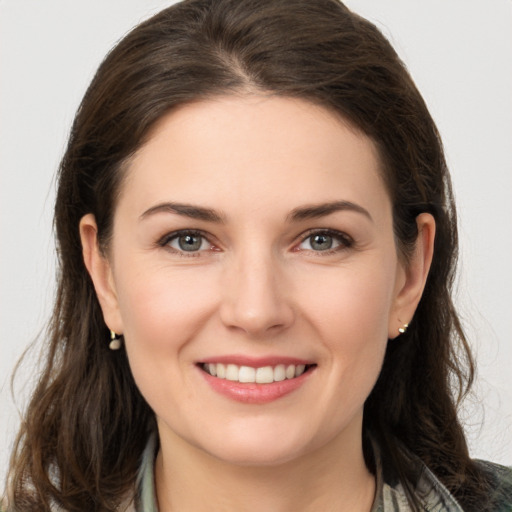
(403,329)
(115,341)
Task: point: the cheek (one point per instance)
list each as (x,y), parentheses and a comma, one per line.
(350,313)
(161,311)
(162,302)
(355,302)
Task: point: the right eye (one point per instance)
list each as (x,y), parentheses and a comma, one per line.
(187,242)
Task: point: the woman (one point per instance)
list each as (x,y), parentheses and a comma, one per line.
(257,242)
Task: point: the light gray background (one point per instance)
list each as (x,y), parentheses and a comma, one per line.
(458,51)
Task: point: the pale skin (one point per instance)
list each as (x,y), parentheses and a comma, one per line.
(294,256)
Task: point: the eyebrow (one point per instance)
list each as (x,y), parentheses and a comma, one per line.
(297,214)
(321,210)
(187,210)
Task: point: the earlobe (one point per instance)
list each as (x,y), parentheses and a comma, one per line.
(415,275)
(100,270)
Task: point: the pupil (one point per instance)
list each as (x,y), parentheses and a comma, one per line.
(321,242)
(189,242)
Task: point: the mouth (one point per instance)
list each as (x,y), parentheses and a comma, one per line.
(255,375)
(259,380)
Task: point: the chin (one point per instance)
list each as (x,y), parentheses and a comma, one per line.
(269,446)
(250,455)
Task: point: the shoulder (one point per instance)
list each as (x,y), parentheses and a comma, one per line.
(431,495)
(500,479)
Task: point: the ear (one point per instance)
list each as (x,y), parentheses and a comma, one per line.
(100,270)
(412,276)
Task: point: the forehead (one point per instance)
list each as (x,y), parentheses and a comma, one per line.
(248,150)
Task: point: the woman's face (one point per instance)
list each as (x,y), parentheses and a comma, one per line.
(253,242)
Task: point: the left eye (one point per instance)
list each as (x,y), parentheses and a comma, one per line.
(324,241)
(188,242)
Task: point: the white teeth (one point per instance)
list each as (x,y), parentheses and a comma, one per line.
(248,374)
(265,375)
(232,371)
(279,373)
(221,371)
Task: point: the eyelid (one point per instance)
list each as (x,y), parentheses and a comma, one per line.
(180,232)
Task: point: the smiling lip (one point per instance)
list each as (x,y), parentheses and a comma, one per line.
(256,362)
(253,392)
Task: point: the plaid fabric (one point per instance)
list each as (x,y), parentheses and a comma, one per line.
(431,493)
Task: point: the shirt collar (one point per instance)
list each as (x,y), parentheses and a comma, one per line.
(431,493)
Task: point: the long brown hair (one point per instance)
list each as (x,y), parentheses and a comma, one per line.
(84,431)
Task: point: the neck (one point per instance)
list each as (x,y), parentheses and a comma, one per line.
(332,478)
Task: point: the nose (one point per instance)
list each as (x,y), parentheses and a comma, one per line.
(255,295)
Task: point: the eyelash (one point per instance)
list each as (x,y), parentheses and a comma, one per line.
(345,241)
(167,239)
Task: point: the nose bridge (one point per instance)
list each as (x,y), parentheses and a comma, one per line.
(255,292)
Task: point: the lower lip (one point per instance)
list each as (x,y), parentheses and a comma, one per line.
(252,393)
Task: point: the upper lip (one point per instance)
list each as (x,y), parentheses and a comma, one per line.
(256,362)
